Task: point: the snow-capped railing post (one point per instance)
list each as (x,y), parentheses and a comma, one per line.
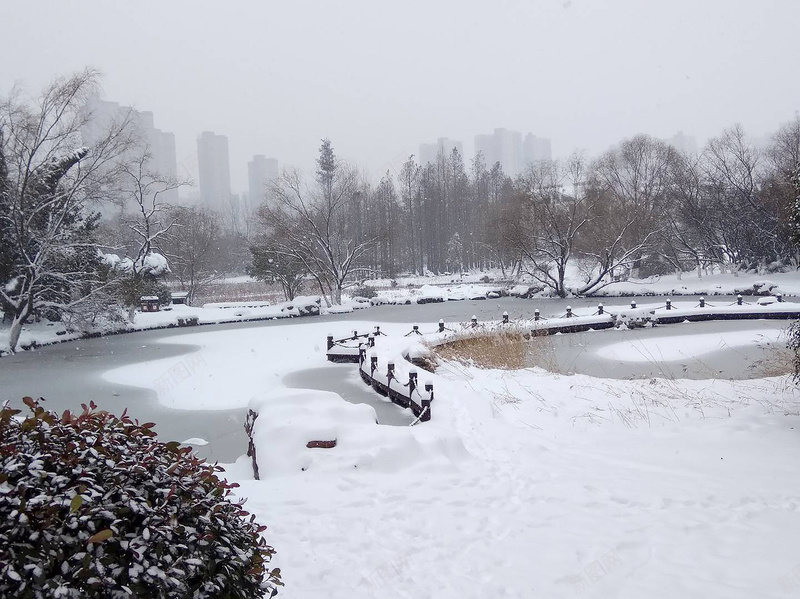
(779,297)
(569,311)
(425,404)
(415,329)
(362,354)
(474,320)
(739,300)
(412,381)
(371,340)
(330,341)
(441,325)
(599,308)
(536,315)
(633,304)
(373,365)
(702,302)
(378,330)
(389,371)
(505,317)
(355,335)
(669,304)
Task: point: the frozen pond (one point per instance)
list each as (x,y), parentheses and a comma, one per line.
(344,380)
(69,374)
(704,350)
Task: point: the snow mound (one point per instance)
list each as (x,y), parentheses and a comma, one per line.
(430,294)
(290,419)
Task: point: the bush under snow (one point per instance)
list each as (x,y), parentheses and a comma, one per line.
(93,506)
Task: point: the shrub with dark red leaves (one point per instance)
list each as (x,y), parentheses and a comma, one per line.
(92,505)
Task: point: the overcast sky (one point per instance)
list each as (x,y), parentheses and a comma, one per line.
(380,78)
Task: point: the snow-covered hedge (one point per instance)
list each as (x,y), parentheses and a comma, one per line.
(92,505)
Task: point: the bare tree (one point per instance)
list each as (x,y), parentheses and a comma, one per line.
(629,187)
(51,252)
(192,248)
(745,226)
(554,219)
(310,225)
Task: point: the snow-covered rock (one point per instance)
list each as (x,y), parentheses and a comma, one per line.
(429,294)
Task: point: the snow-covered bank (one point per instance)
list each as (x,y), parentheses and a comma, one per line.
(36,334)
(43,333)
(524,484)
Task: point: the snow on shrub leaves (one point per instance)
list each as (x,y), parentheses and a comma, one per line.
(92,505)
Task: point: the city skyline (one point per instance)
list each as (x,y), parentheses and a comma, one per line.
(513,150)
(507,66)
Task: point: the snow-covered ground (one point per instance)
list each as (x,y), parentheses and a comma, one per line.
(524,483)
(44,332)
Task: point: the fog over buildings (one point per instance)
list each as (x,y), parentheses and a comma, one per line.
(160,144)
(213,165)
(261,172)
(275,78)
(430,151)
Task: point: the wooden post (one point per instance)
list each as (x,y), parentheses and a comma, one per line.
(390,371)
(739,300)
(474,320)
(373,364)
(249,423)
(330,341)
(441,325)
(536,314)
(362,354)
(669,304)
(412,381)
(505,317)
(779,297)
(569,311)
(633,304)
(702,302)
(371,340)
(425,405)
(415,328)
(377,330)
(355,335)
(599,308)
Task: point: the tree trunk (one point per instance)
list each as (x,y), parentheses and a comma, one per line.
(337,294)
(16,330)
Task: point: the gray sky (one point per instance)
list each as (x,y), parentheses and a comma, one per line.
(379,78)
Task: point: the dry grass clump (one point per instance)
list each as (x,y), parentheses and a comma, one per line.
(502,350)
(777,361)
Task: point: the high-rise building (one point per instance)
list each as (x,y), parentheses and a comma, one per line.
(503,146)
(159,144)
(261,172)
(535,149)
(484,144)
(685,144)
(429,152)
(507,148)
(214,171)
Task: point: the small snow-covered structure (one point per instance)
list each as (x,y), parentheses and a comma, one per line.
(150,303)
(179,298)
